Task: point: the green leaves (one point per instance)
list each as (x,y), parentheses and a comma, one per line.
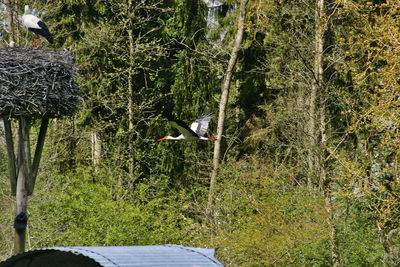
(90,213)
(263,220)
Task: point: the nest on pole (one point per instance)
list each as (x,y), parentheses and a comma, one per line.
(37,83)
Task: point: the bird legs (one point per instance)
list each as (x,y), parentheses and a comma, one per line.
(40,41)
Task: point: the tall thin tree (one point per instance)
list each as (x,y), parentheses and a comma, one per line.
(224,100)
(317,162)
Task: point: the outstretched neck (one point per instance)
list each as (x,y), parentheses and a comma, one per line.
(27,10)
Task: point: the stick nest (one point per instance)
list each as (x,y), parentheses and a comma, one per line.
(35,82)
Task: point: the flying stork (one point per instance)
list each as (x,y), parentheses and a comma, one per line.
(196,131)
(35,25)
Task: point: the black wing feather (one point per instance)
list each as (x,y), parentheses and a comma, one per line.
(182,127)
(43,31)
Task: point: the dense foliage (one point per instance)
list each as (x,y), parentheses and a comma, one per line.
(309,171)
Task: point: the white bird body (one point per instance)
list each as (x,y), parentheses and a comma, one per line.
(30,21)
(187,138)
(35,25)
(196,131)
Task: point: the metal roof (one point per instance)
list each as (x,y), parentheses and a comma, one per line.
(121,256)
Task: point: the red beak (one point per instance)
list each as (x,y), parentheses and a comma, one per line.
(212,139)
(162,139)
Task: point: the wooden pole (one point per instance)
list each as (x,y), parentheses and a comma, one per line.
(23,184)
(11,155)
(38,153)
(20,217)
(24,171)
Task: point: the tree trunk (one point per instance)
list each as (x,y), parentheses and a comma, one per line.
(223,102)
(318,94)
(96,149)
(312,101)
(336,259)
(319,164)
(11,28)
(311,135)
(130,91)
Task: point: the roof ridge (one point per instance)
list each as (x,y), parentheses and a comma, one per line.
(91,251)
(196,251)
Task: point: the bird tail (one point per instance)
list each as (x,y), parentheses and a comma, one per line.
(49,38)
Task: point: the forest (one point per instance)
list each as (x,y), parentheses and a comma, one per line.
(305,170)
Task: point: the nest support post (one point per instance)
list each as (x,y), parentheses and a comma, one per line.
(11,154)
(24,171)
(24,182)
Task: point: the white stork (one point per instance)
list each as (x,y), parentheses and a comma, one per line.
(196,131)
(35,25)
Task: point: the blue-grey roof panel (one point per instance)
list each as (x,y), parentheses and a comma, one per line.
(130,256)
